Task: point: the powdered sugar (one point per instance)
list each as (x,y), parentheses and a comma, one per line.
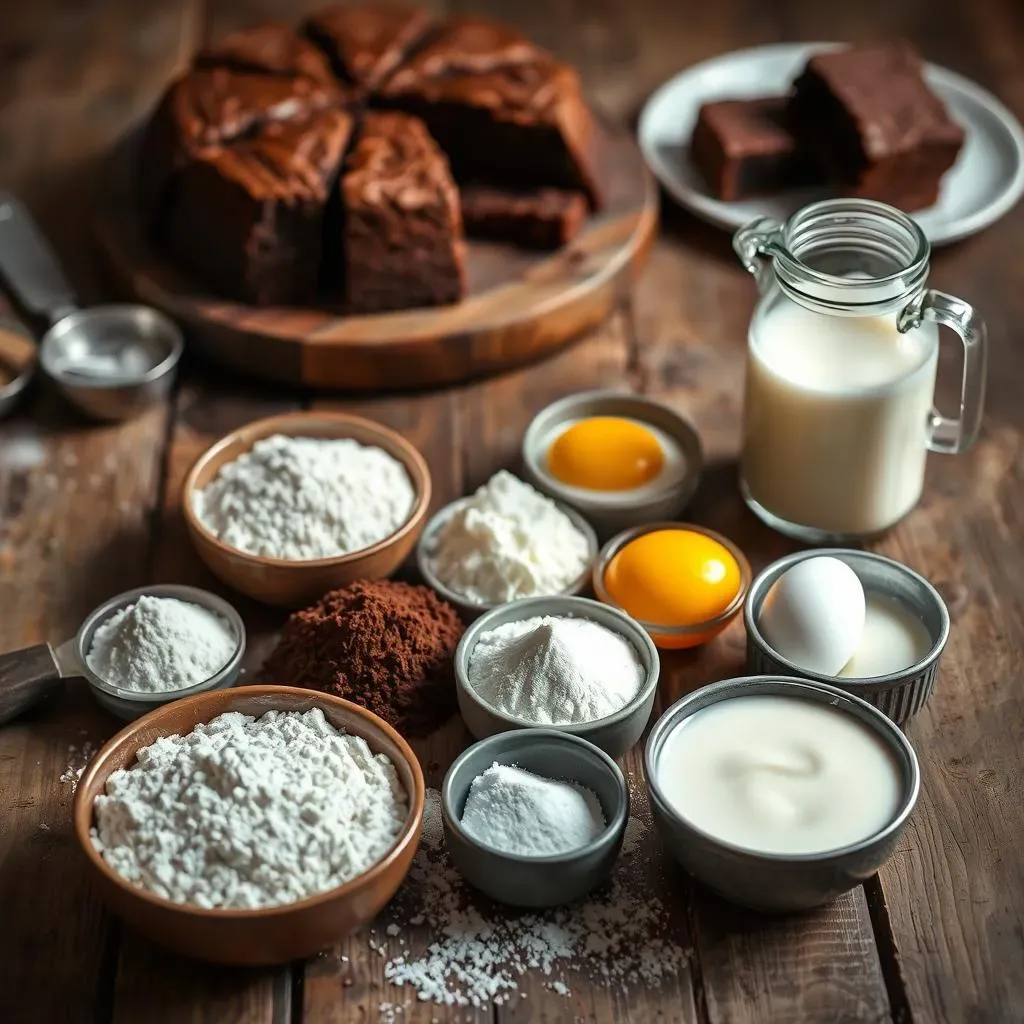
(508,541)
(244,812)
(555,670)
(300,498)
(621,935)
(159,644)
(518,812)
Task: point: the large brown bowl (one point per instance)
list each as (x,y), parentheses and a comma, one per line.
(272,935)
(289,584)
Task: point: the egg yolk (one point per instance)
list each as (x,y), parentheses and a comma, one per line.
(606,453)
(673,578)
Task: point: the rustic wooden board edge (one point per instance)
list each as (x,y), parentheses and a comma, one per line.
(556,300)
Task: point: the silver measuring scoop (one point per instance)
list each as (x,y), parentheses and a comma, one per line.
(111,361)
(33,673)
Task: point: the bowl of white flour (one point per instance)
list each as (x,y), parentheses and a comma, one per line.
(564,663)
(251,826)
(289,507)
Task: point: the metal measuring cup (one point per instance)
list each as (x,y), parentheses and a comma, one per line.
(78,338)
(29,675)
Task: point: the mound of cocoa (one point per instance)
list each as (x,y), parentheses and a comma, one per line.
(382,644)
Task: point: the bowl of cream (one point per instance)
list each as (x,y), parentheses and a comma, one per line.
(779,794)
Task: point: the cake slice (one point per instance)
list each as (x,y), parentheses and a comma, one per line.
(467,43)
(402,234)
(523,126)
(273,48)
(212,106)
(869,116)
(249,218)
(744,148)
(545,219)
(366,42)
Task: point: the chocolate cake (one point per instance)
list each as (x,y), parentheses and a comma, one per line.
(366,42)
(249,217)
(545,219)
(274,48)
(402,238)
(745,148)
(524,126)
(868,115)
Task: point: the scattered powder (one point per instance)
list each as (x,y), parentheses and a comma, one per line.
(300,498)
(518,812)
(506,542)
(78,761)
(159,644)
(555,670)
(634,836)
(245,812)
(621,936)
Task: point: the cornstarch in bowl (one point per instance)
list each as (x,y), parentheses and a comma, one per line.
(306,498)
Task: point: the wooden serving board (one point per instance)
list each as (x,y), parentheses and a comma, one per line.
(522,305)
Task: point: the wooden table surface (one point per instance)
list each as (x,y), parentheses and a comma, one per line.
(87,511)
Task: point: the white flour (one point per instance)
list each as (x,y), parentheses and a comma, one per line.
(518,812)
(246,812)
(509,541)
(621,936)
(160,644)
(555,670)
(300,498)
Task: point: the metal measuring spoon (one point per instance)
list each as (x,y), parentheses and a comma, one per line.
(29,675)
(111,361)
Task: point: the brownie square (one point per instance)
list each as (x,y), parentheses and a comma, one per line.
(366,42)
(545,219)
(868,115)
(402,235)
(273,48)
(524,126)
(744,148)
(249,218)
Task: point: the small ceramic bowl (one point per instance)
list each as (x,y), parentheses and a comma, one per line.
(272,935)
(770,881)
(614,734)
(289,584)
(536,881)
(609,511)
(675,637)
(472,609)
(900,694)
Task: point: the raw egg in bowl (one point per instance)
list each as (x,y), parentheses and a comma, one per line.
(683,583)
(622,460)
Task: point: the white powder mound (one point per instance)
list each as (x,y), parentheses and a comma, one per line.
(159,644)
(518,812)
(300,498)
(620,936)
(506,542)
(245,812)
(555,670)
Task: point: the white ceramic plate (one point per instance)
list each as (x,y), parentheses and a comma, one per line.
(985,182)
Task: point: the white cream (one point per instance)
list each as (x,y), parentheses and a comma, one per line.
(780,775)
(835,418)
(892,640)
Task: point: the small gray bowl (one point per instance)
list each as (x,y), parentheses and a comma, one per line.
(614,734)
(471,609)
(536,881)
(900,694)
(771,881)
(612,512)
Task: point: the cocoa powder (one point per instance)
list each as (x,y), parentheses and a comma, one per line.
(385,645)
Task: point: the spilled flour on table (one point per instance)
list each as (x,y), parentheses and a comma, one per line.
(620,936)
(78,761)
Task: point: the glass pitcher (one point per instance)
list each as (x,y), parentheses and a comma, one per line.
(841,362)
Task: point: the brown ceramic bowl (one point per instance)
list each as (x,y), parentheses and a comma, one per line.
(290,584)
(273,935)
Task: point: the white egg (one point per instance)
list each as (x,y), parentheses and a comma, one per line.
(813,615)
